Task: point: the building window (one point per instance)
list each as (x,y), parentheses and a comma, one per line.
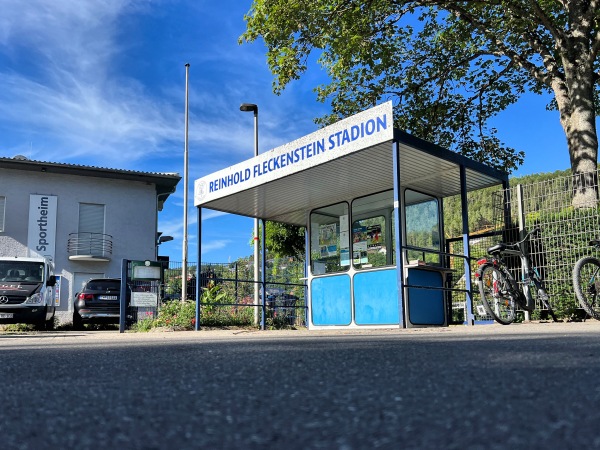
(330,239)
(2,209)
(373,231)
(90,243)
(423,229)
(91,218)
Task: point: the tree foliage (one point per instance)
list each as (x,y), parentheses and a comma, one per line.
(284,240)
(449,66)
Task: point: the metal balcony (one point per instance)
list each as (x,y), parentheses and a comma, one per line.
(89,247)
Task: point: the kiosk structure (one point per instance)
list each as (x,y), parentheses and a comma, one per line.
(371,199)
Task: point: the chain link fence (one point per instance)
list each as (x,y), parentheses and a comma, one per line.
(565,234)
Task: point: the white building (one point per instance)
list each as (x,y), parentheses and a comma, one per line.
(87,219)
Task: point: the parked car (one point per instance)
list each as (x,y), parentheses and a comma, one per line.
(98,302)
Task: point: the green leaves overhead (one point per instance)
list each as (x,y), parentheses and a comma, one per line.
(448,66)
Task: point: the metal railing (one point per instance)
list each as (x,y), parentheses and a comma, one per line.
(227,292)
(92,244)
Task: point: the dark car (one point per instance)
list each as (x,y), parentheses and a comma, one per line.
(98,302)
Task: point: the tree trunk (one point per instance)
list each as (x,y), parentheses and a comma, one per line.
(583,150)
(575,99)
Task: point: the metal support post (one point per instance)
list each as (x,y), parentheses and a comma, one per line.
(199,271)
(470,319)
(398,234)
(524,246)
(263,261)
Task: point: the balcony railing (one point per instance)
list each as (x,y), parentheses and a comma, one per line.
(89,246)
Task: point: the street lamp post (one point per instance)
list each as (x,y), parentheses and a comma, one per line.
(247,107)
(185,191)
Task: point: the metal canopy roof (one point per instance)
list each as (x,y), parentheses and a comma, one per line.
(423,167)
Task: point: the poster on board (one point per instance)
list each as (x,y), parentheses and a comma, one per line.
(328,240)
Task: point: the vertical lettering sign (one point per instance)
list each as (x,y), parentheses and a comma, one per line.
(41,235)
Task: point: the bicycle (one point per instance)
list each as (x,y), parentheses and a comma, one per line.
(501,294)
(586,282)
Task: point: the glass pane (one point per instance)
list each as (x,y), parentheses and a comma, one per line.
(329,239)
(21,271)
(372,238)
(422,226)
(368,244)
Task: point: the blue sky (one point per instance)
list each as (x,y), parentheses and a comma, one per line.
(102,83)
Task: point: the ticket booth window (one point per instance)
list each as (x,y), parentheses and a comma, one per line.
(422,227)
(372,231)
(330,239)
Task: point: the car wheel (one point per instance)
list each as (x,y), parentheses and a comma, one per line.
(49,325)
(77,322)
(45,325)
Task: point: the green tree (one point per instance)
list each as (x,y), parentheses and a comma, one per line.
(284,240)
(449,66)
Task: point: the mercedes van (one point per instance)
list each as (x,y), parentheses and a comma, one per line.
(27,291)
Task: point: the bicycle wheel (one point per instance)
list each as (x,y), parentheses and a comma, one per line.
(541,297)
(586,282)
(497,295)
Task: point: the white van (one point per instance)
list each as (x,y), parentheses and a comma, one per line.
(27,291)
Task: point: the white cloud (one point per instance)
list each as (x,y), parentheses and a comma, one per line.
(84,119)
(65,94)
(208,214)
(214,245)
(66,98)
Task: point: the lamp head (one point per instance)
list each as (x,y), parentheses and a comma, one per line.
(247,107)
(162,239)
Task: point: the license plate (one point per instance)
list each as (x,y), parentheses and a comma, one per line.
(6,315)
(107,297)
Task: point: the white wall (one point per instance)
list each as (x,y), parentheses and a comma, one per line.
(130,217)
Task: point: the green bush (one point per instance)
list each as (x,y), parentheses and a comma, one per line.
(17,327)
(181,316)
(176,315)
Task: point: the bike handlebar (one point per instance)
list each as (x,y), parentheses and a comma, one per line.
(535,230)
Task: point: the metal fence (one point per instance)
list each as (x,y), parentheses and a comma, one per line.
(228,292)
(496,215)
(566,232)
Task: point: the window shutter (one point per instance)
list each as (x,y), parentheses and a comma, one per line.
(91,218)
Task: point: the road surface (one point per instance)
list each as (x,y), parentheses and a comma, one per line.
(484,387)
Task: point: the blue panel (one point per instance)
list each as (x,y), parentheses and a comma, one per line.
(330,300)
(425,306)
(376,298)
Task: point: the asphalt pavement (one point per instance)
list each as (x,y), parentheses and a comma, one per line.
(484,387)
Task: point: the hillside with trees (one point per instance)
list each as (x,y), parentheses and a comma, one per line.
(482,214)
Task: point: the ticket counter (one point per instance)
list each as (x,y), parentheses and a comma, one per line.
(353,272)
(371,198)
